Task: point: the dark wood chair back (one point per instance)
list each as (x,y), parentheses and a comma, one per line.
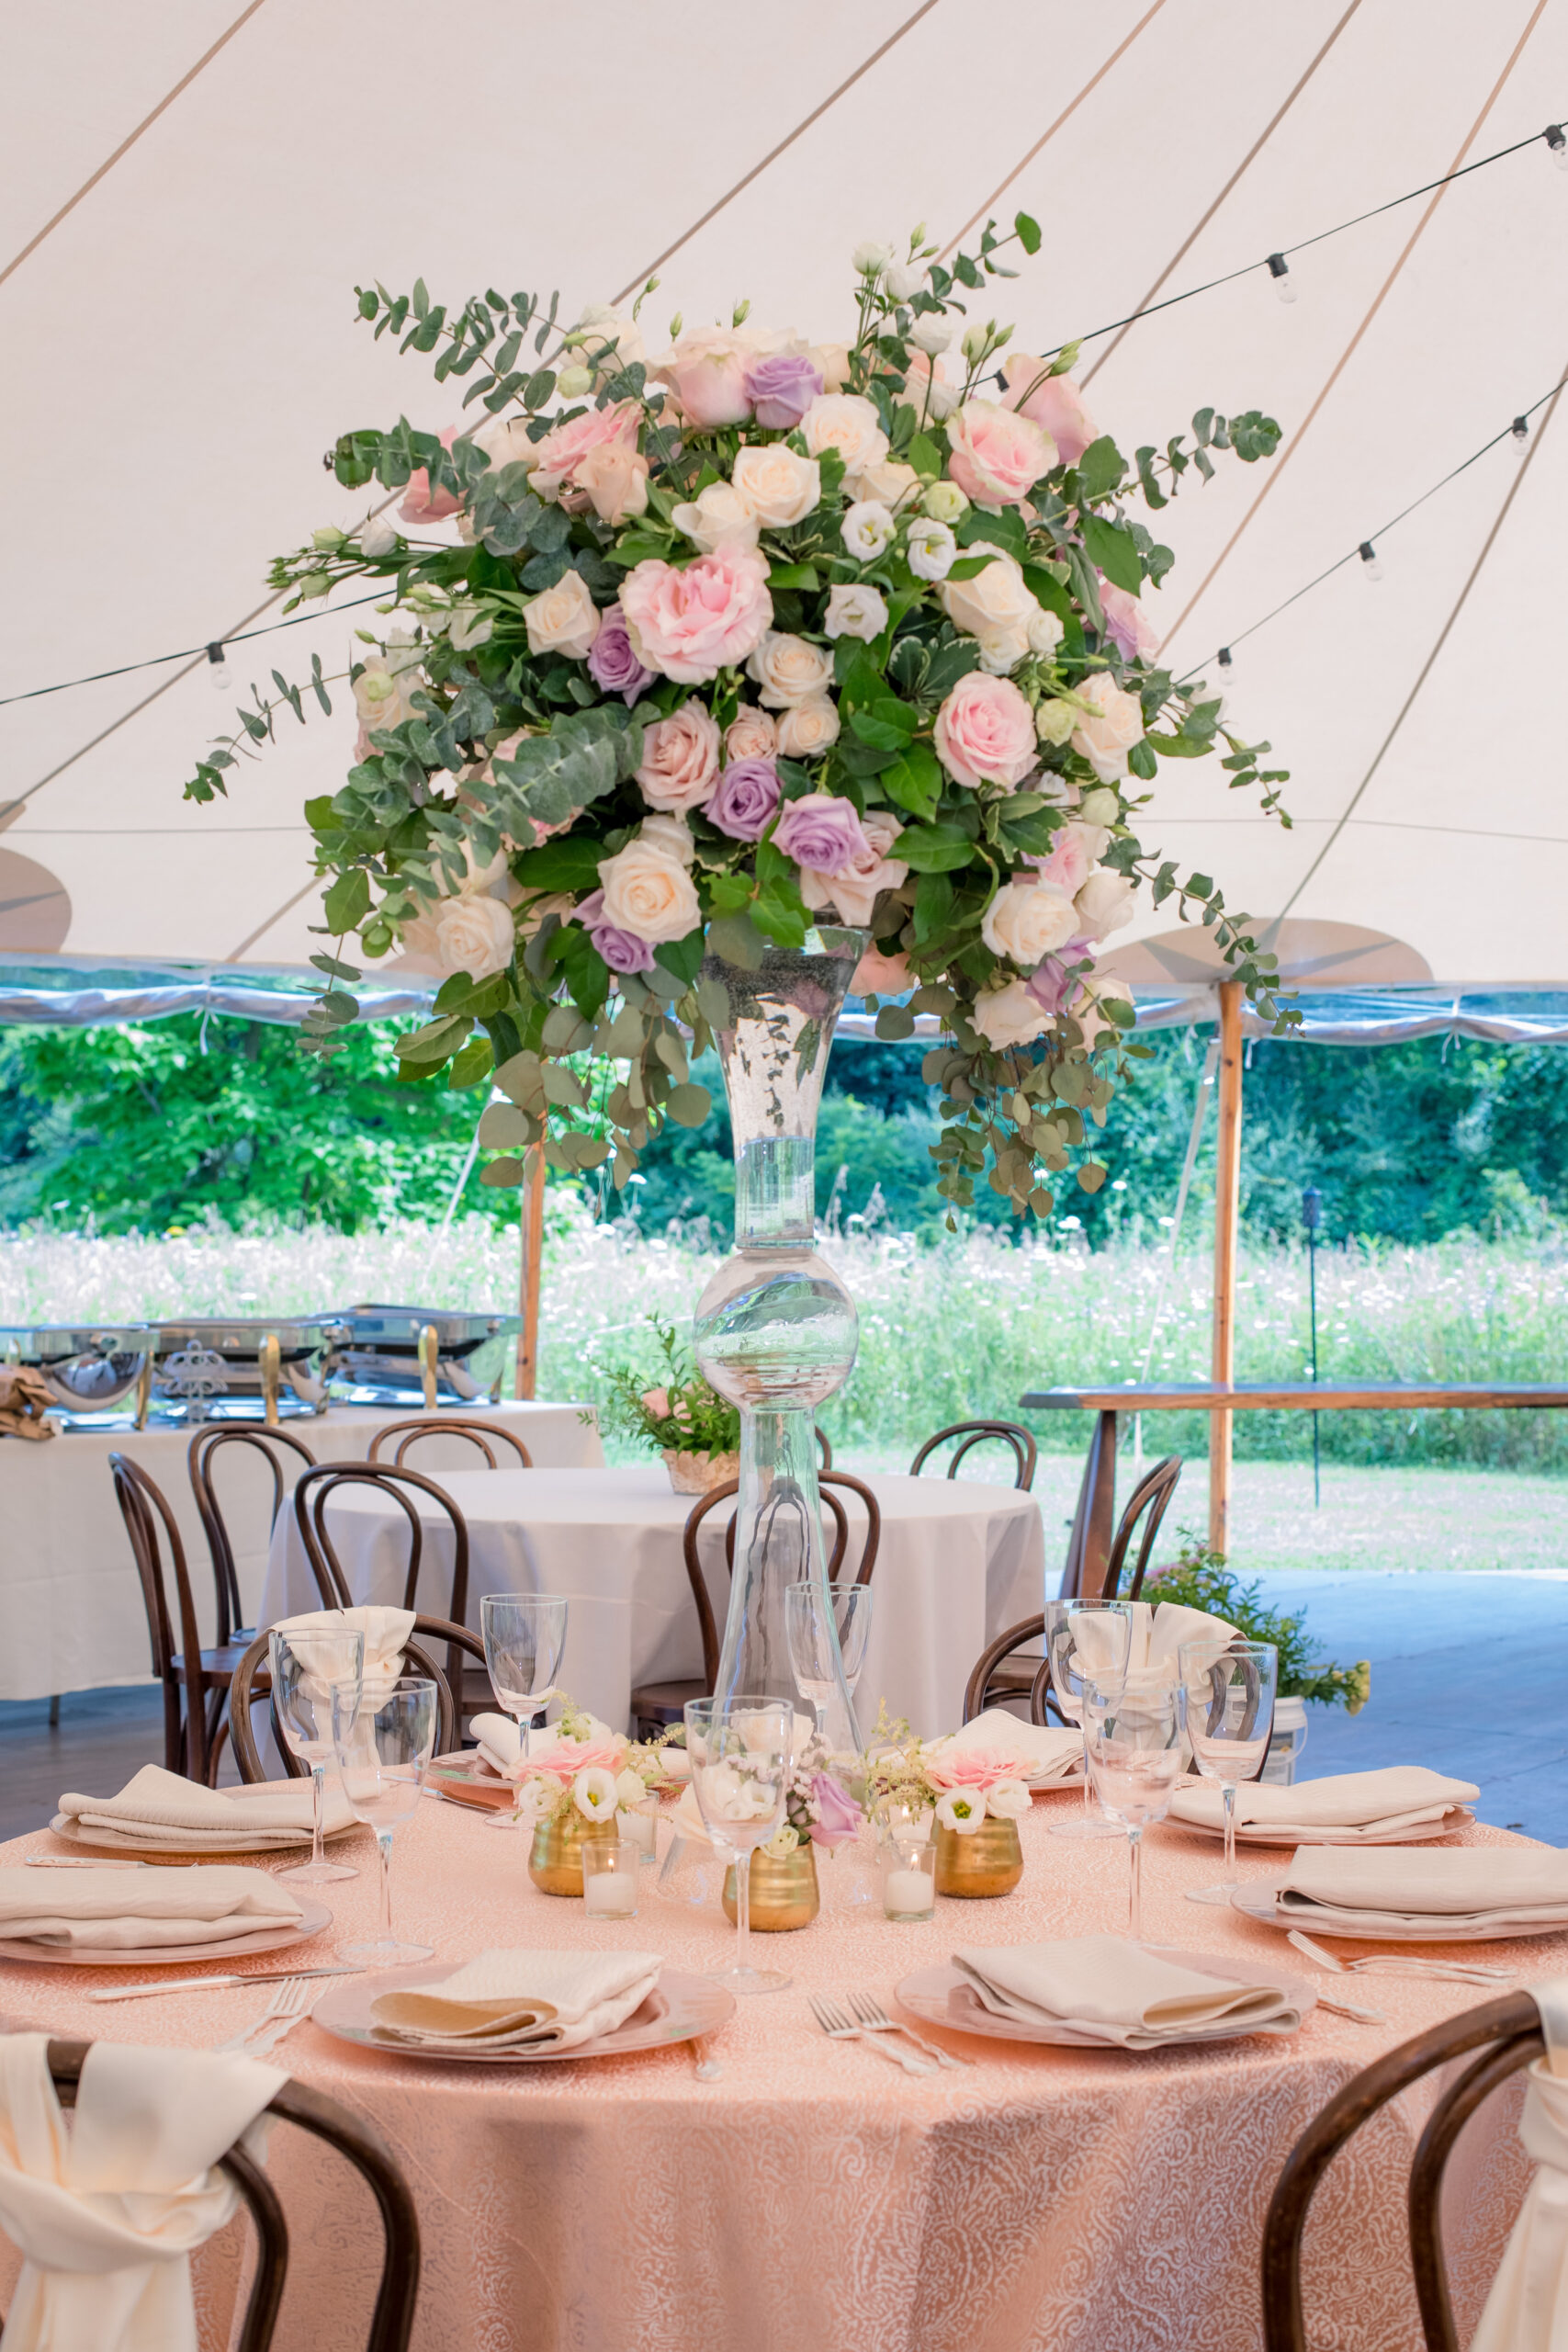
(827,1480)
(360,2143)
(315,1489)
(1148,1503)
(253,1683)
(989,1678)
(824,1449)
(725,1492)
(193,1731)
(1507,2032)
(477,1433)
(199,1461)
(1025,1451)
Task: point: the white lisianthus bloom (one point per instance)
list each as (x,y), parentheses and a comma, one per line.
(903,280)
(469,625)
(1009,1801)
(961,1809)
(537,1797)
(630,1788)
(1054,721)
(868,530)
(1100,806)
(718,517)
(377,535)
(931,334)
(593,1792)
(856,611)
(932,550)
(945,503)
(870,259)
(1044,631)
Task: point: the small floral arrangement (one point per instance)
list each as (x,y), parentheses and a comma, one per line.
(960,1786)
(590,1770)
(818,1807)
(684,1416)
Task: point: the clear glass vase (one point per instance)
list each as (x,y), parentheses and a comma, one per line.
(775,1328)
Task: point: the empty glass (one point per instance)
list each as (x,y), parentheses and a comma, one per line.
(384,1736)
(1230,1687)
(819,1616)
(525,1634)
(740,1752)
(1086,1638)
(1133,1740)
(306,1663)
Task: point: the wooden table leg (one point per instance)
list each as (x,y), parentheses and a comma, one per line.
(1088,1546)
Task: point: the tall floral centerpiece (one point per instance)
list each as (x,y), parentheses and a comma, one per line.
(717,681)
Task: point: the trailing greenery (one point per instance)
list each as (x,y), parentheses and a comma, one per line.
(680,1415)
(1199,1577)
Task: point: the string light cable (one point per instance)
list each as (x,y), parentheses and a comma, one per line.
(214,650)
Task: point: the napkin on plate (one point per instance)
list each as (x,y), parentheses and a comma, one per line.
(126,1910)
(1115,1991)
(1465,1888)
(1400,1796)
(1044,1751)
(520,2000)
(500,1740)
(159,1808)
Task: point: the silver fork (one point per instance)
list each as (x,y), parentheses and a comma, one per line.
(281,2015)
(1457,1971)
(837,2024)
(876,2020)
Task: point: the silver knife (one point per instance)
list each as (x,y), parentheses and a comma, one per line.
(215,1983)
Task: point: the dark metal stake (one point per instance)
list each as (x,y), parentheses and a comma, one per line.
(1312,1217)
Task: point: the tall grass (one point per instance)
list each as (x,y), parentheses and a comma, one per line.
(946,1332)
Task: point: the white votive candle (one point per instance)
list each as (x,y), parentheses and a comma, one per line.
(611,1894)
(908,1894)
(640,1830)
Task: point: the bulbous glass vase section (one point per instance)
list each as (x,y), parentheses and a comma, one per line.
(775,1328)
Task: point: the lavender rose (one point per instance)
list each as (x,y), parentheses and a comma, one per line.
(781,387)
(622,950)
(744,799)
(823,833)
(613,665)
(838,1816)
(1053,984)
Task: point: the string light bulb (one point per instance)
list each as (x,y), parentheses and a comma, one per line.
(1371,567)
(1226,661)
(1519,433)
(1553,136)
(1280,271)
(217,667)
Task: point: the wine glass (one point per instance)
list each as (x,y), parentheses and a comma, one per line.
(1132,1743)
(820,1618)
(1230,1687)
(525,1634)
(1088,1638)
(384,1735)
(741,1756)
(306,1664)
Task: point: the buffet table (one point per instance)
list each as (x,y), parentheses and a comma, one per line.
(70,1613)
(959,1561)
(814,2200)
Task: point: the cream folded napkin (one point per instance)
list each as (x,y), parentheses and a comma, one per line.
(1400,1796)
(1115,1991)
(1158,1631)
(1465,1888)
(386,1632)
(520,2000)
(159,1808)
(1044,1751)
(500,1742)
(124,1910)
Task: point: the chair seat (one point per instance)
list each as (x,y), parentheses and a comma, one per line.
(217,1665)
(664,1703)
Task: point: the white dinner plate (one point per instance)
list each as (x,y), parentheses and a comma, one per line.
(1259,1900)
(679,2006)
(313,1917)
(1258,1833)
(941,1995)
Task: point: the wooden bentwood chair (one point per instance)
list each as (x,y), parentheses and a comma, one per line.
(200,1462)
(1025,1451)
(253,1683)
(476,1434)
(391,2322)
(196,1680)
(1507,2034)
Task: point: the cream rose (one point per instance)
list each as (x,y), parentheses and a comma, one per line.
(1028,919)
(891,484)
(994,606)
(716,517)
(848,423)
(831,361)
(1010,1016)
(754,735)
(808,729)
(672,834)
(648,893)
(1106,735)
(1105,902)
(615,479)
(474,935)
(788,670)
(564,620)
(775,485)
(680,758)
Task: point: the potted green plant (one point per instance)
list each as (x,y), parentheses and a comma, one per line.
(696,1430)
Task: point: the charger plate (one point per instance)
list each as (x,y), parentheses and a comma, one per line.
(1258,1899)
(68,1834)
(679,2006)
(1258,1833)
(313,1917)
(941,1996)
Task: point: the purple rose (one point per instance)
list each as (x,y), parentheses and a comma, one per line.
(622,950)
(744,799)
(823,833)
(1053,984)
(838,1816)
(781,389)
(613,664)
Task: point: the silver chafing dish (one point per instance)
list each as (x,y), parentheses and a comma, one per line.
(424,1356)
(96,1372)
(242,1367)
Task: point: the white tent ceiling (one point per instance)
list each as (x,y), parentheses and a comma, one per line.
(183,348)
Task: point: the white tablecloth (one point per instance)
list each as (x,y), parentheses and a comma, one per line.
(70,1613)
(958,1562)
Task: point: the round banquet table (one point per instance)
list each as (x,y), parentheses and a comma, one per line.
(958,1562)
(814,2200)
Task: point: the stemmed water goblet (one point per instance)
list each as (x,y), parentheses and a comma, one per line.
(742,1752)
(385,1735)
(1086,1640)
(1230,1686)
(306,1664)
(1133,1743)
(525,1635)
(818,1617)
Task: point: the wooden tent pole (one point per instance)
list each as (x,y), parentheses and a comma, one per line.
(533,1257)
(1227,1190)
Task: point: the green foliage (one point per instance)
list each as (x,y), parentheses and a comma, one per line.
(1201,1580)
(678,1412)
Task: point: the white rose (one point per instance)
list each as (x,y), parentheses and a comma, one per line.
(831,361)
(1008,1800)
(1028,919)
(945,503)
(565,619)
(716,517)
(808,729)
(869,260)
(1044,630)
(1010,1016)
(776,485)
(904,281)
(1105,902)
(788,670)
(673,835)
(995,606)
(537,1797)
(1105,736)
(377,535)
(856,611)
(893,483)
(868,530)
(648,893)
(847,421)
(474,935)
(931,334)
(1001,651)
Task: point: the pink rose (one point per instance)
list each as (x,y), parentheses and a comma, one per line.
(616,478)
(971,1768)
(997,457)
(556,458)
(1056,405)
(1126,623)
(706,372)
(984,731)
(419,506)
(1075,848)
(838,1816)
(878,974)
(679,759)
(692,624)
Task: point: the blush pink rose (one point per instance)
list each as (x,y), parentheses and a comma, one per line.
(679,759)
(973,1768)
(984,731)
(877,974)
(1075,848)
(1126,623)
(995,457)
(706,372)
(694,623)
(557,459)
(419,505)
(1056,405)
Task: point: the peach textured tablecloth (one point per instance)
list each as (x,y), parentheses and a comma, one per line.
(814,2200)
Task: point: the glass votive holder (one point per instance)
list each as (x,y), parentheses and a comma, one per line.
(909,1879)
(640,1827)
(609,1877)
